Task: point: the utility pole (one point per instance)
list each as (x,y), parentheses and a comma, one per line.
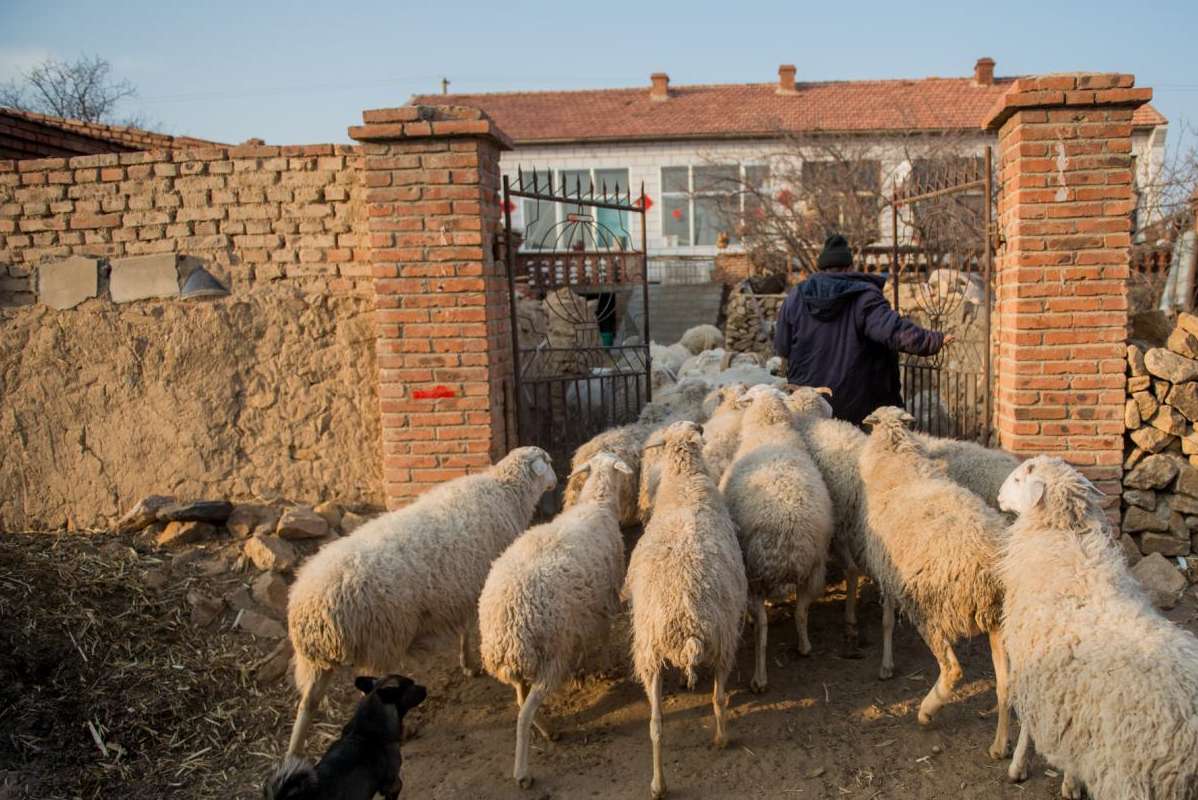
(445,86)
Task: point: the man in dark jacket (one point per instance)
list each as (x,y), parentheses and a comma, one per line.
(837,330)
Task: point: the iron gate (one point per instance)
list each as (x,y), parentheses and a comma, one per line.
(569,286)
(942,261)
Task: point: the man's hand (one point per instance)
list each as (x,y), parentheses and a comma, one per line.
(948,339)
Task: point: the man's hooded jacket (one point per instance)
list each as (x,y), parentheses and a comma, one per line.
(837,330)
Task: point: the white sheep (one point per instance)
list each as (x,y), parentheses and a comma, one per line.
(933,549)
(686,583)
(980,469)
(625,443)
(702,337)
(1105,686)
(783,518)
(665,363)
(682,400)
(721,433)
(366,599)
(553,592)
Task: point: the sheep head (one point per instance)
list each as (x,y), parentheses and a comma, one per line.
(809,402)
(1047,485)
(889,417)
(530,465)
(768,408)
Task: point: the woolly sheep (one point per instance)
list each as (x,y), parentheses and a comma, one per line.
(686,583)
(366,599)
(1105,686)
(625,443)
(666,363)
(721,433)
(783,518)
(702,337)
(835,446)
(683,400)
(553,591)
(980,469)
(933,551)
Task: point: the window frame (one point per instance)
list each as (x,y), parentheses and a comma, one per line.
(692,194)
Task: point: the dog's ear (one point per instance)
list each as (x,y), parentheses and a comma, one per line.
(413,696)
(365,683)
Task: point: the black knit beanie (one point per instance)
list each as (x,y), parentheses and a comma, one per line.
(836,253)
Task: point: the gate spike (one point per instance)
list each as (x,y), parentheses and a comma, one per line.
(535,178)
(519,178)
(604,186)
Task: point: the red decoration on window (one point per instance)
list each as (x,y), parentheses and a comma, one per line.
(648,202)
(676,214)
(435,393)
(506,205)
(785,197)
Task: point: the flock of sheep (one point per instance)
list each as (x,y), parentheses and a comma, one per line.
(745,490)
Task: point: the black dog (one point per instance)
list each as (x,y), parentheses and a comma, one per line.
(366,759)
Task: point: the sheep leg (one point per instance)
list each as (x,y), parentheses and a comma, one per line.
(851,647)
(1002,736)
(657,789)
(467,650)
(1071,787)
(538,726)
(528,712)
(719,704)
(762,629)
(802,606)
(886,672)
(950,675)
(312,683)
(1017,772)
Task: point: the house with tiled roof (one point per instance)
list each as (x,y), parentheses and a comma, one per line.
(25,134)
(678,141)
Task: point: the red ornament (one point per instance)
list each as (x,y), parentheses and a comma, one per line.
(785,197)
(506,205)
(676,214)
(648,202)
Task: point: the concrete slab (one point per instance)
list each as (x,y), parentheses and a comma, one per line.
(67,283)
(144,277)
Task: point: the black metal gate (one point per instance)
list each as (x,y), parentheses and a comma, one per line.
(942,261)
(569,286)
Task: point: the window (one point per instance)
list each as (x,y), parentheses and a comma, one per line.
(950,218)
(565,226)
(844,194)
(699,203)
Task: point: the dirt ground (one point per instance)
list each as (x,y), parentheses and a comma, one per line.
(110,691)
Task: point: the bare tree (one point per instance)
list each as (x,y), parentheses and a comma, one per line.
(82,89)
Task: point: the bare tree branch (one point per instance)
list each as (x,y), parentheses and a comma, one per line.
(82,89)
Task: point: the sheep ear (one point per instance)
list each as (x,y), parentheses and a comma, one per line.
(539,467)
(824,390)
(622,467)
(906,418)
(1092,487)
(1035,491)
(582,469)
(365,683)
(870,420)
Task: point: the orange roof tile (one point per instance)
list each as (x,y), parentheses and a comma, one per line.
(749,110)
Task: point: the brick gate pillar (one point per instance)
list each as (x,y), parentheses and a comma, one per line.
(444,354)
(1065,171)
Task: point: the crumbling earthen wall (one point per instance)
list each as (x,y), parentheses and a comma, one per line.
(251,213)
(270,393)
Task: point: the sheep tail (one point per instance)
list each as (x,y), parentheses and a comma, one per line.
(294,778)
(692,651)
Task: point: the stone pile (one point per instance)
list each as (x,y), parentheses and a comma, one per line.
(749,321)
(244,555)
(1160,473)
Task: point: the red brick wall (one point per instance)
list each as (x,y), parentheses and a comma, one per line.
(432,178)
(254,213)
(1061,322)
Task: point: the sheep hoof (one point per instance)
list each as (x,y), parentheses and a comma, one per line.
(803,651)
(1017,774)
(851,649)
(999,751)
(885,673)
(758,687)
(471,672)
(1071,788)
(657,792)
(924,718)
(719,742)
(525,782)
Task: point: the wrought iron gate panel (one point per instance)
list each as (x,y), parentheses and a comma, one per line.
(571,280)
(947,271)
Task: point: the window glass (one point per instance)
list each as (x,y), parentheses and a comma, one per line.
(675,179)
(711,219)
(675,214)
(538,224)
(756,175)
(612,228)
(716,179)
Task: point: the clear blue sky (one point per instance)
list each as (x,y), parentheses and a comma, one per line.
(294,72)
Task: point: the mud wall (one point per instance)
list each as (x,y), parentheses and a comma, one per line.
(270,393)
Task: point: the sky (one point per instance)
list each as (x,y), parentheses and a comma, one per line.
(293,74)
